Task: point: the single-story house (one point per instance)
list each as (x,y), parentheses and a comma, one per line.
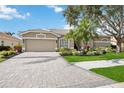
(8,40)
(48,40)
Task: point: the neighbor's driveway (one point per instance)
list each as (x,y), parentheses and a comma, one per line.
(46,69)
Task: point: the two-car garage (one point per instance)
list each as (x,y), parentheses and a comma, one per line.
(40,45)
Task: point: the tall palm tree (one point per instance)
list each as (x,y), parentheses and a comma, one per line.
(72,35)
(10,33)
(84,32)
(87,30)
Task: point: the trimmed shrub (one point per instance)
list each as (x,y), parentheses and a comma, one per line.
(58,49)
(83,52)
(75,52)
(2,56)
(104,49)
(4,53)
(108,49)
(7,53)
(11,52)
(66,53)
(98,52)
(18,48)
(90,53)
(64,49)
(93,53)
(104,52)
(6,48)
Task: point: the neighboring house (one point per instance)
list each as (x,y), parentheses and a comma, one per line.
(50,39)
(7,40)
(102,41)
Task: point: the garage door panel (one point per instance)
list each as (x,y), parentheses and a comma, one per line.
(41,45)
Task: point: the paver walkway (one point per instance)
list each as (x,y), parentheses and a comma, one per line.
(117,85)
(98,64)
(46,69)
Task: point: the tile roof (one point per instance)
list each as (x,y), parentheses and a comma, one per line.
(59,31)
(8,37)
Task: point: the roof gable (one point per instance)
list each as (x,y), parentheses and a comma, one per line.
(39,30)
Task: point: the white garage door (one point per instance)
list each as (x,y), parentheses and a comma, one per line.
(40,45)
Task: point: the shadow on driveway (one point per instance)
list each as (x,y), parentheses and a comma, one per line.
(33,57)
(43,60)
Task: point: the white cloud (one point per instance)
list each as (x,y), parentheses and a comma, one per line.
(57,9)
(28,14)
(68,27)
(7,17)
(9,13)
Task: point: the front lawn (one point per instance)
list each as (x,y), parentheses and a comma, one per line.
(2,59)
(107,56)
(116,73)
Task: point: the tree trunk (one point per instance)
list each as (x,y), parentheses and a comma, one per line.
(118,49)
(77,45)
(85,45)
(93,46)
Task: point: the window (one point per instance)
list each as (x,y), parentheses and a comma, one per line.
(41,35)
(104,39)
(63,43)
(2,43)
(12,44)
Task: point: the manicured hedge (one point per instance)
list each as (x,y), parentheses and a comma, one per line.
(85,52)
(5,48)
(7,53)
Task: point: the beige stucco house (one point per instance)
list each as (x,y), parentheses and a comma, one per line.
(7,40)
(49,40)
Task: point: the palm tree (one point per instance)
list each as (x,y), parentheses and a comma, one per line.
(72,35)
(84,32)
(87,30)
(10,33)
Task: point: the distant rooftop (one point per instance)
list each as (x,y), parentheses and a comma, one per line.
(59,31)
(8,37)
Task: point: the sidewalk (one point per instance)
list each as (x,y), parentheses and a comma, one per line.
(117,85)
(98,64)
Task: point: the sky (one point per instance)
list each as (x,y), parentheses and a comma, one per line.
(15,18)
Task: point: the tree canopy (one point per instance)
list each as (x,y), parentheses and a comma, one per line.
(109,17)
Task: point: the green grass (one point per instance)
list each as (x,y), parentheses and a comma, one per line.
(107,56)
(2,59)
(116,73)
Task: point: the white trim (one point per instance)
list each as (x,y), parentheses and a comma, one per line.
(60,42)
(47,31)
(68,43)
(102,41)
(41,34)
(39,38)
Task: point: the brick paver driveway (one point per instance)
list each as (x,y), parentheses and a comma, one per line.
(46,69)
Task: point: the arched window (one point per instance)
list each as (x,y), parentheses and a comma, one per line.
(63,43)
(104,39)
